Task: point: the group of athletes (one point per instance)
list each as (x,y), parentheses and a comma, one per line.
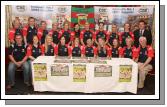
(30,41)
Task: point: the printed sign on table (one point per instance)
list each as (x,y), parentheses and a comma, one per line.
(103,71)
(125,73)
(40,72)
(59,70)
(79,73)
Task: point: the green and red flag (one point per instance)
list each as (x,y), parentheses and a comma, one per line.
(81,16)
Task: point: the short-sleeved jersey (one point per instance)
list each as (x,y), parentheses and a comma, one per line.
(123,37)
(86,34)
(34,51)
(101,34)
(18,52)
(55,36)
(104,51)
(29,32)
(13,32)
(42,35)
(144,53)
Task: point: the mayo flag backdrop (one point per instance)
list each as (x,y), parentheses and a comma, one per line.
(81,16)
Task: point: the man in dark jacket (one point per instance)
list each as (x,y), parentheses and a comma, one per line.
(142,32)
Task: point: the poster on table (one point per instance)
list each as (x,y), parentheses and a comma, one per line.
(79,73)
(40,71)
(102,71)
(59,70)
(49,13)
(123,14)
(125,73)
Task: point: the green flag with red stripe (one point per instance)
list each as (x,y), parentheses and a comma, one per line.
(81,16)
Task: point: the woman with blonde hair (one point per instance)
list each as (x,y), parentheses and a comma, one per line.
(48,48)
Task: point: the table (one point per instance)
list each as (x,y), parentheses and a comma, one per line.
(84,75)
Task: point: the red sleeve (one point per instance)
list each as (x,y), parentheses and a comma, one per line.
(56,49)
(25,31)
(39,34)
(70,50)
(29,50)
(95,50)
(135,52)
(60,33)
(43,49)
(72,36)
(107,33)
(11,34)
(95,33)
(108,51)
(132,36)
(150,52)
(83,50)
(121,52)
(82,34)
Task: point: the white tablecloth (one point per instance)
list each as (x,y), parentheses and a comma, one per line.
(91,84)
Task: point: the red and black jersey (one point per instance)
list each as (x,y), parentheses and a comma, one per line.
(55,36)
(29,32)
(87,34)
(67,35)
(34,51)
(144,53)
(62,50)
(41,35)
(51,50)
(104,51)
(123,37)
(101,34)
(75,34)
(89,51)
(18,52)
(75,51)
(115,52)
(113,36)
(129,52)
(13,32)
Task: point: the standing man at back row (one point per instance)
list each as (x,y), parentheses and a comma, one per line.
(142,31)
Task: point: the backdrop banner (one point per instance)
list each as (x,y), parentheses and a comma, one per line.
(49,13)
(124,14)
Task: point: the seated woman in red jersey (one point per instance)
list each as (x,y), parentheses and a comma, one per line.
(75,49)
(42,32)
(125,34)
(89,50)
(145,55)
(66,33)
(49,48)
(128,51)
(102,49)
(62,49)
(54,33)
(115,50)
(33,51)
(86,34)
